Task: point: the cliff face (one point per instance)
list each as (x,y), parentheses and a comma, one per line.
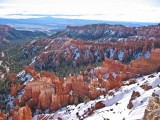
(21,113)
(111,33)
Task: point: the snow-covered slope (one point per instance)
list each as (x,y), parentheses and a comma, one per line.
(115,101)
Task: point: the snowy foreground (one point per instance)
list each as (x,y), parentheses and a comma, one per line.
(115,103)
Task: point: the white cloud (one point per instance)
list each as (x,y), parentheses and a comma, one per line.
(116,10)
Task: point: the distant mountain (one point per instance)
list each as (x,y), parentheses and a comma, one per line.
(9,33)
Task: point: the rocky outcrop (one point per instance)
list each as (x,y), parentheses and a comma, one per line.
(23,113)
(152,111)
(133,97)
(2,116)
(15,89)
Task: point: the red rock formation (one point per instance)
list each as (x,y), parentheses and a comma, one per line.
(15,89)
(99,105)
(147,66)
(49,91)
(23,113)
(89,51)
(2,116)
(11,78)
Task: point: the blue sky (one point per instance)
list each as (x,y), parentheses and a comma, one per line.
(112,10)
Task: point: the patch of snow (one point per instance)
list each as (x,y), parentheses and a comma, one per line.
(71,47)
(114,74)
(147,54)
(80,31)
(120,55)
(77,54)
(111,52)
(10,101)
(2,54)
(137,54)
(96,54)
(33,60)
(32,41)
(21,74)
(101,89)
(71,92)
(87,53)
(98,67)
(106,75)
(91,71)
(29,78)
(1,62)
(151,38)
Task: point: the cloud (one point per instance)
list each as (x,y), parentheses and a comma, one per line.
(113,10)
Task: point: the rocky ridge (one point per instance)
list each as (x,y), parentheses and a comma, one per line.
(8,33)
(110,33)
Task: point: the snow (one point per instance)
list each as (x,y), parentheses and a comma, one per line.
(147,54)
(106,75)
(81,31)
(33,60)
(71,92)
(120,55)
(71,47)
(98,67)
(2,54)
(137,54)
(77,54)
(101,89)
(29,78)
(111,51)
(10,101)
(33,41)
(92,71)
(96,54)
(114,74)
(151,38)
(87,53)
(115,105)
(21,74)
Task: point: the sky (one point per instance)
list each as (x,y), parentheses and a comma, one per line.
(110,10)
